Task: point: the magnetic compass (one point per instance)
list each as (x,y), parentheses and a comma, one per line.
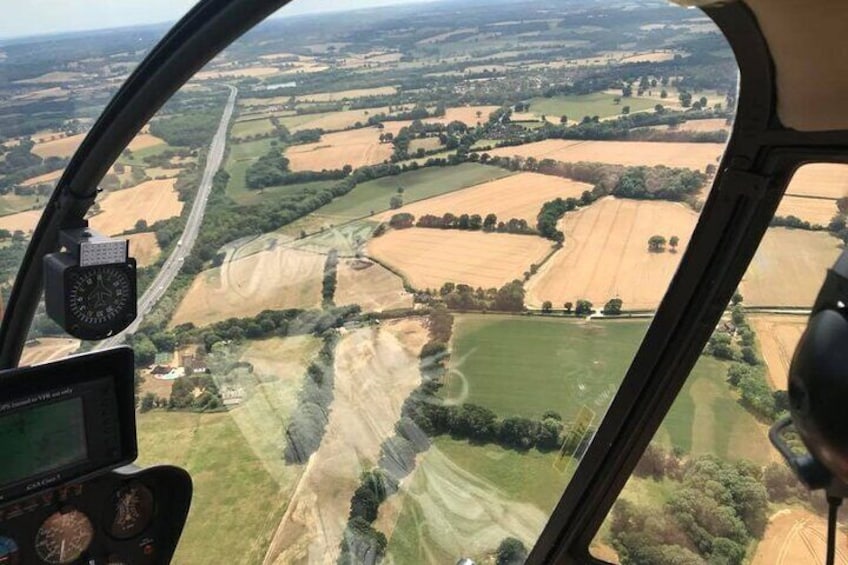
(90,289)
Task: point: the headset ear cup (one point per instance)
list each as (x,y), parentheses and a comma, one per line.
(818,390)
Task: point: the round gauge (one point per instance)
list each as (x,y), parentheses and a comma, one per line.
(100,295)
(132,511)
(9,554)
(63,537)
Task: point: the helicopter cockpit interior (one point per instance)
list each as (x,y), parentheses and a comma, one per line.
(542,281)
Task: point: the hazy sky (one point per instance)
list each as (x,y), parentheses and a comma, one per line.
(32,17)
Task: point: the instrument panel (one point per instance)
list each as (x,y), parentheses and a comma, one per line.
(128,516)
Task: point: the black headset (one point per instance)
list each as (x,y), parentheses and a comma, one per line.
(818,389)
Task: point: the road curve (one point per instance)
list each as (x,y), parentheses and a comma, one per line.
(172,264)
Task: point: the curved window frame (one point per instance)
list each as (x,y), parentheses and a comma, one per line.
(759,162)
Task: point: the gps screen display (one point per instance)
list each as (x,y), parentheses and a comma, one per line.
(40,439)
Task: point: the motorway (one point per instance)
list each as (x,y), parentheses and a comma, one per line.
(172,264)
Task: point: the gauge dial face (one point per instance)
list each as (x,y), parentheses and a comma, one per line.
(9,554)
(99,295)
(132,511)
(63,537)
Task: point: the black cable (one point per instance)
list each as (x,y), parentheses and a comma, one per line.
(833,503)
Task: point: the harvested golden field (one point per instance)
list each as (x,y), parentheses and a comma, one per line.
(606,254)
(654,57)
(370,285)
(335,120)
(375,370)
(250,72)
(444,36)
(518,196)
(427,144)
(63,147)
(789,267)
(370,60)
(825,180)
(778,335)
(335,150)
(284,358)
(47,178)
(274,279)
(464,114)
(43,93)
(428,258)
(796,536)
(55,76)
(150,201)
(47,349)
(813,210)
(347,94)
(711,124)
(630,153)
(23,221)
(143,141)
(144,247)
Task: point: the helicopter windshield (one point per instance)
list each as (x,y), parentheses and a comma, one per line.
(395,263)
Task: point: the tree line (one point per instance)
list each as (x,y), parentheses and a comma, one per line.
(362,543)
(309,419)
(329,280)
(466,222)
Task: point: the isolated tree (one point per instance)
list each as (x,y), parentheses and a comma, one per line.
(656,243)
(511,551)
(703,101)
(563,119)
(625,110)
(547,307)
(396,202)
(583,308)
(400,190)
(664,93)
(685,99)
(659,109)
(673,242)
(613,307)
(568,306)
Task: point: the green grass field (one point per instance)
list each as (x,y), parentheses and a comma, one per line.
(239,495)
(499,493)
(373,196)
(252,127)
(241,483)
(239,159)
(137,159)
(578,106)
(522,366)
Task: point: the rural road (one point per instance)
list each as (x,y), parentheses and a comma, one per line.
(173,263)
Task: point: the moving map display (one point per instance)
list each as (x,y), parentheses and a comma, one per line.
(36,440)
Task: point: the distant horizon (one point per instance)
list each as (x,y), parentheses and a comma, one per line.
(42,18)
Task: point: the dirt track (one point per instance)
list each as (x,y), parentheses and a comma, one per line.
(797,537)
(376,369)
